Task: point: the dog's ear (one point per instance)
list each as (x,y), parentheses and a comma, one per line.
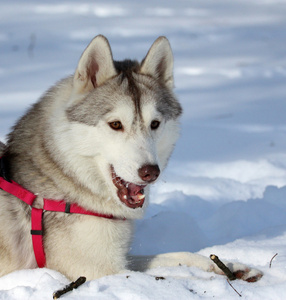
(159,61)
(95,66)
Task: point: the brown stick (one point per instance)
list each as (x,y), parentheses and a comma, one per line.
(272,260)
(234,288)
(69,288)
(223,267)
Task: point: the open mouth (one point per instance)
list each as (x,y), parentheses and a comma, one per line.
(131,194)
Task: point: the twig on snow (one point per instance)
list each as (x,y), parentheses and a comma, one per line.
(69,287)
(159,278)
(234,288)
(223,267)
(270,264)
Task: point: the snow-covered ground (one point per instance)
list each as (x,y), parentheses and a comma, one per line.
(224,191)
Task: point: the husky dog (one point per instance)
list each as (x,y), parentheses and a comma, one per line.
(97,139)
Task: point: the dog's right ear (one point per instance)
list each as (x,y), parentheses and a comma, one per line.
(95,66)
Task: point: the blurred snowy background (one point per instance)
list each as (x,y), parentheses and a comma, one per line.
(224,191)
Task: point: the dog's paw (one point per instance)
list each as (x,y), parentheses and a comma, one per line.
(244,272)
(249,275)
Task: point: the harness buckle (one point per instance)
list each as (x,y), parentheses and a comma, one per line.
(37,232)
(68,208)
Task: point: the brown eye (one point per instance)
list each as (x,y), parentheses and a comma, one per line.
(155,124)
(116,125)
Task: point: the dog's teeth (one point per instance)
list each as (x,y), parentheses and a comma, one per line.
(125,197)
(140,197)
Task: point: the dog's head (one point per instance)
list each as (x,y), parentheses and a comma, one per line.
(124,116)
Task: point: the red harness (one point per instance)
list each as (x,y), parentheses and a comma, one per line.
(18,191)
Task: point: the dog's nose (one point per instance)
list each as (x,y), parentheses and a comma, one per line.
(149,173)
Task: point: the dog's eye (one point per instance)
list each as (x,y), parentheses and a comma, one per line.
(116,125)
(155,124)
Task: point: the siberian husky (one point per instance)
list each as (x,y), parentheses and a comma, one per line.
(94,142)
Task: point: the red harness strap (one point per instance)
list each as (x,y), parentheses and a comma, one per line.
(18,191)
(37,236)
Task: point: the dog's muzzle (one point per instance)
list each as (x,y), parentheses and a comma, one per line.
(131,194)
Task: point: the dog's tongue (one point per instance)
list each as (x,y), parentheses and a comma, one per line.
(135,190)
(132,195)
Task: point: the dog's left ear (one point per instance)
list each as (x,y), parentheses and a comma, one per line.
(159,62)
(95,66)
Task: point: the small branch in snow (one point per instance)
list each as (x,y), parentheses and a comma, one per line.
(234,288)
(270,264)
(159,278)
(223,267)
(69,287)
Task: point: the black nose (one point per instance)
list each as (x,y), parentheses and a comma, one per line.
(149,173)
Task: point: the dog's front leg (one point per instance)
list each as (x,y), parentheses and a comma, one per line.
(143,263)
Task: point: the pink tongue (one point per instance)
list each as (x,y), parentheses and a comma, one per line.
(134,189)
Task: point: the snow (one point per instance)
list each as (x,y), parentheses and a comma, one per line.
(224,191)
